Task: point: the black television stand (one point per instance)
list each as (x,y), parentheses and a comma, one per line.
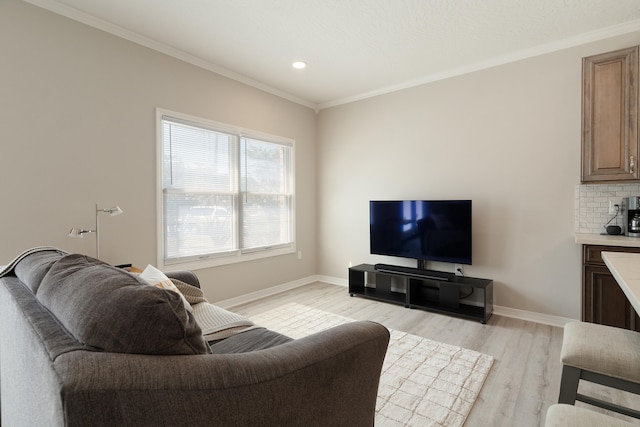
(424,289)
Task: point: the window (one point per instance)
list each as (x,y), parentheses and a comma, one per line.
(226,194)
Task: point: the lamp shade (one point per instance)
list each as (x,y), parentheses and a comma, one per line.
(79,232)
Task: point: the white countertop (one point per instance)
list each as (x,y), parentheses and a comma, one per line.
(607,240)
(625,268)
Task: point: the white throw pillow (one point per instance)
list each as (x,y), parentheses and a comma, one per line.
(157,278)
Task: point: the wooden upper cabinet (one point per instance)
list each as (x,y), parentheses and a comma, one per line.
(610,116)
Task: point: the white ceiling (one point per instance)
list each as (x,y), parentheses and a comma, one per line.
(354,48)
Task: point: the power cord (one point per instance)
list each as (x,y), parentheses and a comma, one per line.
(614,216)
(468,293)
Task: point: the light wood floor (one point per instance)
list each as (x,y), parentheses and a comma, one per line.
(524,379)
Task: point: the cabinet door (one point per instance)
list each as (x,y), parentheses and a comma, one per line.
(610,116)
(604,302)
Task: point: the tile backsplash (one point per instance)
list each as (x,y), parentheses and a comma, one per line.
(592,204)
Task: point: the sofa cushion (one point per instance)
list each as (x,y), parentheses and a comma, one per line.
(109,309)
(247,341)
(32,268)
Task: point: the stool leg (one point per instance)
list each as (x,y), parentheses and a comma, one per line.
(569,385)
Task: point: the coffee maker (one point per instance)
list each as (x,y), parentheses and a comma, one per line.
(631,215)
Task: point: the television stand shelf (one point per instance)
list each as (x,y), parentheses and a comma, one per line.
(428,290)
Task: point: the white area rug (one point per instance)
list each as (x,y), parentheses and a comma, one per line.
(423,382)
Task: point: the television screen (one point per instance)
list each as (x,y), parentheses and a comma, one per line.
(434,230)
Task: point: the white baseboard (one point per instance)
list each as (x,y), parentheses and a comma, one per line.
(545,319)
(253,296)
(530,316)
(333,281)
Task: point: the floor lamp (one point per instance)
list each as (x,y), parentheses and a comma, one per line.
(80,232)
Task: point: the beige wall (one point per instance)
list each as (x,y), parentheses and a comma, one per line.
(507,137)
(77,126)
(77,107)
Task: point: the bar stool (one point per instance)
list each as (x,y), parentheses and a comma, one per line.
(572,416)
(603,355)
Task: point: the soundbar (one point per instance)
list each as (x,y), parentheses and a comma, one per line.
(415,272)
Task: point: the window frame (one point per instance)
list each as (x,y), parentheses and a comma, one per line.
(237,255)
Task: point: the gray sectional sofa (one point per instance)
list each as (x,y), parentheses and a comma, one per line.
(85,343)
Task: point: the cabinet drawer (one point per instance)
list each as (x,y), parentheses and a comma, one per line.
(593,254)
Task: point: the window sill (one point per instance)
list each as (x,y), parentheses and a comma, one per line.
(224,260)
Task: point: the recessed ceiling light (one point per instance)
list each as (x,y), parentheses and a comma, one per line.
(299,65)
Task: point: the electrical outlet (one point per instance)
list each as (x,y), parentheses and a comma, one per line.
(459,270)
(614,206)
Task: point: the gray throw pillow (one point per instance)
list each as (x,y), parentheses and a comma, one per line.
(114,311)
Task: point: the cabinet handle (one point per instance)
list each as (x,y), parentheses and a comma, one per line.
(632,164)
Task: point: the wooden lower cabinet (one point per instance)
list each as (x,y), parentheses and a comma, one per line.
(603,301)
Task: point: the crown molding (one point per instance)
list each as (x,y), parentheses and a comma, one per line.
(85,18)
(593,36)
(108,27)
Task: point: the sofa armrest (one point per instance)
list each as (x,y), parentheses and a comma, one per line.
(186,276)
(328,378)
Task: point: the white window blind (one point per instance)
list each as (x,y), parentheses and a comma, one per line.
(225,192)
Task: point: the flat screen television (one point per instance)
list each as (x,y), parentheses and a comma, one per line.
(426,230)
